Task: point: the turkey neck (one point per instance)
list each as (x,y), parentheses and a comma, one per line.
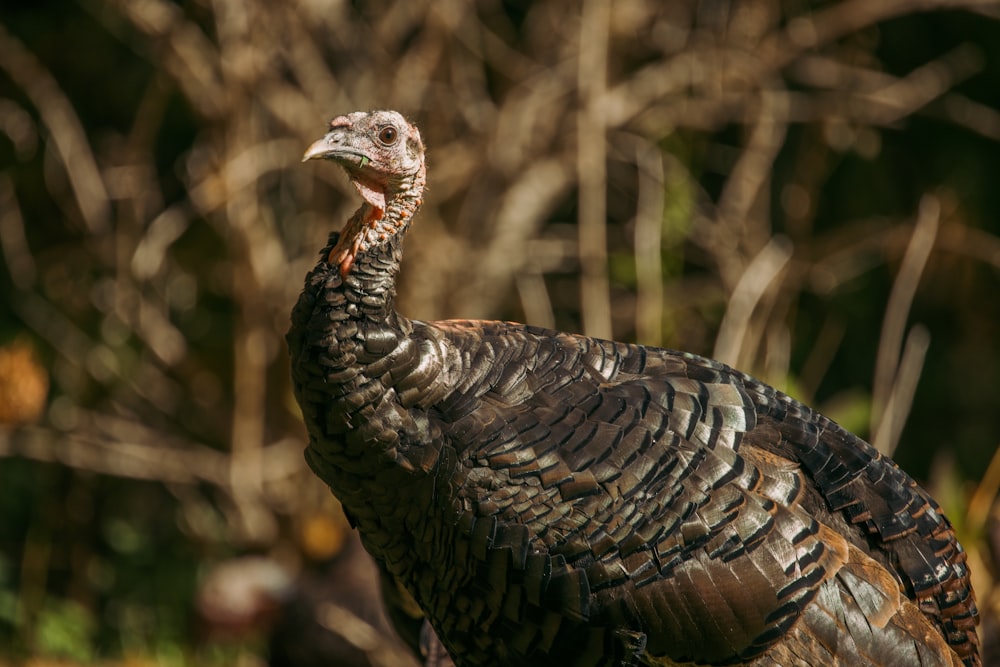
(359,369)
(370,283)
(375,238)
(352,340)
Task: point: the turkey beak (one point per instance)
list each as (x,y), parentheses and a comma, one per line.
(321,148)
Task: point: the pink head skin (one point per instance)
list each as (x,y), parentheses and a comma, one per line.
(384,158)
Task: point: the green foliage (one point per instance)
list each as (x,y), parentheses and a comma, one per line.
(65,629)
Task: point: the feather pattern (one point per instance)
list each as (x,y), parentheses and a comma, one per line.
(546,497)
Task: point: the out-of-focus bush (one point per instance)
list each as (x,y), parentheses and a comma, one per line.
(807,192)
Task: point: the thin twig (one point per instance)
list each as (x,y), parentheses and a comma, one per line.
(595,297)
(535,298)
(649,245)
(900,400)
(752,285)
(63,125)
(984,497)
(13,242)
(748,180)
(165,462)
(897,308)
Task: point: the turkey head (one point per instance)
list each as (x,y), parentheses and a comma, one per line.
(384,157)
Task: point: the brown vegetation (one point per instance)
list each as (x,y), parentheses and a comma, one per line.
(809,188)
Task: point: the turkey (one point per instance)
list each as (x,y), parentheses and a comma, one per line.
(552,499)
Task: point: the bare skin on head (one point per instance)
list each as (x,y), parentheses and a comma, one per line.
(383,156)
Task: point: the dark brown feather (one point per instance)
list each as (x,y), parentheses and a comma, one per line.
(553,499)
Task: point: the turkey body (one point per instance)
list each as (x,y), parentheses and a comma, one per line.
(553,499)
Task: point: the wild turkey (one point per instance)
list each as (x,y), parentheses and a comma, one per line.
(552,499)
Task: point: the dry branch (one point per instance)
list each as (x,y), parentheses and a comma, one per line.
(896,314)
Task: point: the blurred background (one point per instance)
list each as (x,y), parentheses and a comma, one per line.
(808,191)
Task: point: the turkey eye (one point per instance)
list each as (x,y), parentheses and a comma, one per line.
(387,135)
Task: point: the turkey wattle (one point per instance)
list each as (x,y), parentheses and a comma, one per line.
(552,499)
